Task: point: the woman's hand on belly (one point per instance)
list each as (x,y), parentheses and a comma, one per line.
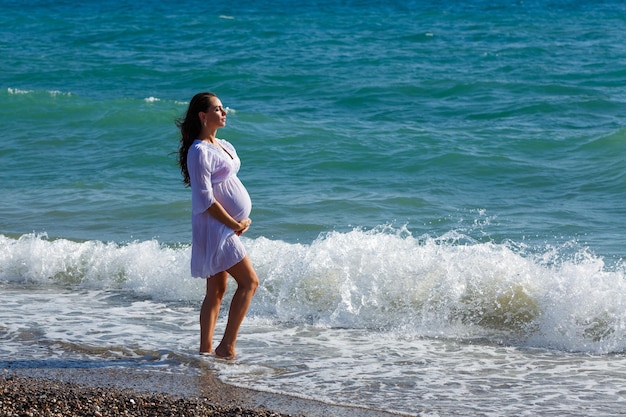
(246,225)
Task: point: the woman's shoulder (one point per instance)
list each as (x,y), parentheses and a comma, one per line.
(202,151)
(204,147)
(196,144)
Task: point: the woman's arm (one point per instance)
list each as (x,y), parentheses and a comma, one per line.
(216,210)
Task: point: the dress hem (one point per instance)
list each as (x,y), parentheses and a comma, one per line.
(224,270)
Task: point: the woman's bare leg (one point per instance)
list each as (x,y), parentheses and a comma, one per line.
(215,289)
(247,283)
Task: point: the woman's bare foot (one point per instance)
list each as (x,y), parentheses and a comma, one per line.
(224,353)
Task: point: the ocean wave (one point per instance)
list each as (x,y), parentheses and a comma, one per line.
(52,93)
(383,279)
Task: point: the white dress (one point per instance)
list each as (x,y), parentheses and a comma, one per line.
(213,176)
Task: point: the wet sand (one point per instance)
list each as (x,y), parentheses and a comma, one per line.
(51,391)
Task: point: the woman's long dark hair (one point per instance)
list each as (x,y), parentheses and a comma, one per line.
(190,128)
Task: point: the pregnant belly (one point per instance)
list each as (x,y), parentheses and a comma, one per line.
(234,197)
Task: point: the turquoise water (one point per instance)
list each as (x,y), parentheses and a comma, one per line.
(346,116)
(434,173)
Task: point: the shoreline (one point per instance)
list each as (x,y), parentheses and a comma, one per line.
(113,391)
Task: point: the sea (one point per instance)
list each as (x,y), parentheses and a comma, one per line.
(438,188)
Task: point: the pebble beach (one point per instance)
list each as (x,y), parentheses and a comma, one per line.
(111,392)
(28,396)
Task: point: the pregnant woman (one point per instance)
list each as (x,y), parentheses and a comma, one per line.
(220,209)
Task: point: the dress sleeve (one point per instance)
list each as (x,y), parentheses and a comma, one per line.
(199,165)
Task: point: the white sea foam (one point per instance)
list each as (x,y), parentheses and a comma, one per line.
(53,93)
(18,91)
(381,280)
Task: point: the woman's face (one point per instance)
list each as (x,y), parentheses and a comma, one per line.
(215,116)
